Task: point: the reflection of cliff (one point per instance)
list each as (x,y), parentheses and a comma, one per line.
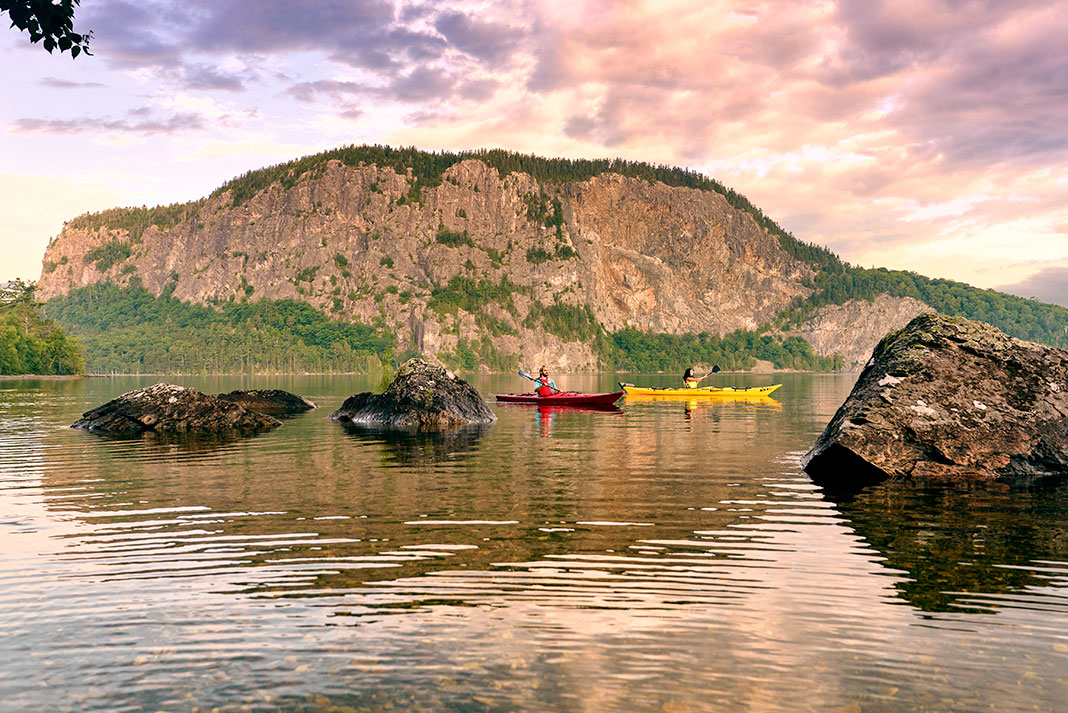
(958,546)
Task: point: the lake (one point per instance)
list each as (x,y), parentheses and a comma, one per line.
(667,557)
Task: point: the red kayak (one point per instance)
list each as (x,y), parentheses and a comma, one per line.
(562,398)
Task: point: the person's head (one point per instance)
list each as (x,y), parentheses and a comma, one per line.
(543,371)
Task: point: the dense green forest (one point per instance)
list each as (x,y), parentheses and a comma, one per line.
(129,330)
(1022,318)
(30,343)
(634,351)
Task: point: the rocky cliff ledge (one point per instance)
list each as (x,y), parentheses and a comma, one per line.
(952,400)
(421,397)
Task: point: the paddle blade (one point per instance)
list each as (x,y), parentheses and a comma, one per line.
(525,375)
(714,369)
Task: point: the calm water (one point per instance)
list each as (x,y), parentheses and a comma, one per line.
(659,558)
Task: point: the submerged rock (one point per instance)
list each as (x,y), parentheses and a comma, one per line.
(421,396)
(272,401)
(166,408)
(949,399)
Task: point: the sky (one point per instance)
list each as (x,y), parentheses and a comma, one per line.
(921,135)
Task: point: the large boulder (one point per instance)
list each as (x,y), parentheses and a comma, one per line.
(170,409)
(272,401)
(952,400)
(421,396)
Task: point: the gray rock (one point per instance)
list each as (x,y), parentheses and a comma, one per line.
(949,399)
(421,396)
(170,409)
(271,401)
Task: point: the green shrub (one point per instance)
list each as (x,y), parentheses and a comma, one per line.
(106,255)
(452,239)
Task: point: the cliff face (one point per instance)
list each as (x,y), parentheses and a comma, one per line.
(853,329)
(365,243)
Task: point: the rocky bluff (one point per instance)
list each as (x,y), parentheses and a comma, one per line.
(369,244)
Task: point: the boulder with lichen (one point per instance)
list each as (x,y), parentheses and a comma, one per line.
(949,399)
(421,396)
(171,409)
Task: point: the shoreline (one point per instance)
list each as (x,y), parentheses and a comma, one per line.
(73,377)
(46,377)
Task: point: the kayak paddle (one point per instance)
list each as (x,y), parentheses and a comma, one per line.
(714,370)
(525,375)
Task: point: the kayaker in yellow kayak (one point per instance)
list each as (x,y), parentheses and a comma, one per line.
(691,380)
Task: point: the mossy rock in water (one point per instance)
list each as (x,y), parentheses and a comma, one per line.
(171,409)
(272,401)
(421,396)
(949,399)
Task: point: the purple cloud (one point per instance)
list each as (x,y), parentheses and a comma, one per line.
(1047,285)
(132,124)
(57,83)
(491,42)
(205,77)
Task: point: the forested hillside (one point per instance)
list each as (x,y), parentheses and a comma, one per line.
(1022,318)
(350,258)
(29,342)
(128,330)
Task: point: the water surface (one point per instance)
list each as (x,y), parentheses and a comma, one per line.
(667,556)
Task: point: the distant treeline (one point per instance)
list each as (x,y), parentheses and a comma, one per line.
(631,350)
(29,342)
(1022,318)
(129,330)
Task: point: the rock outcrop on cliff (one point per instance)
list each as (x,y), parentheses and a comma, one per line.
(852,330)
(270,401)
(421,397)
(170,410)
(952,400)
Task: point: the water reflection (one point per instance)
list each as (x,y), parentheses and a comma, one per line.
(633,560)
(974,550)
(151,443)
(420,447)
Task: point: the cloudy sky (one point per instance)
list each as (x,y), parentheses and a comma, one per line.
(924,135)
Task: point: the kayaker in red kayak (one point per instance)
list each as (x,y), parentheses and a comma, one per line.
(546,386)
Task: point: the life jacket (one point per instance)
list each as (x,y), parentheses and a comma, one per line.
(543,390)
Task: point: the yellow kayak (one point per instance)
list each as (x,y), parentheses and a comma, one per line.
(713,391)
